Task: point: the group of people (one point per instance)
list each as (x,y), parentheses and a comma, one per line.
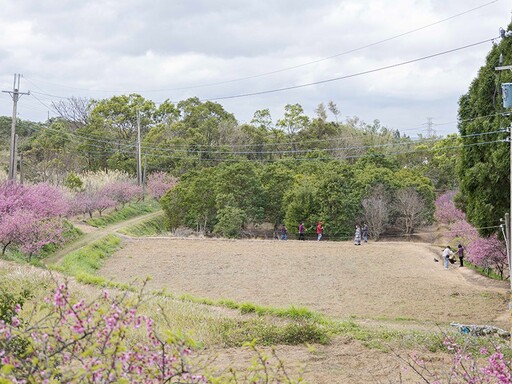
(361,233)
(448,256)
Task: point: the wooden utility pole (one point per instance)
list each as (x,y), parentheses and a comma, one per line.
(139,155)
(15,94)
(508,240)
(22,170)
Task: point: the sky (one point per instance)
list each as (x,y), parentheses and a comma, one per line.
(242,54)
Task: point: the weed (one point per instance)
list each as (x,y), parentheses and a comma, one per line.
(150,227)
(89,259)
(129,211)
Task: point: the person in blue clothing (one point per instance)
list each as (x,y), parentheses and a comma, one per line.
(364,231)
(284,233)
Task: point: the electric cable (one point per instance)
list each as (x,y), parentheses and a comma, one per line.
(295,66)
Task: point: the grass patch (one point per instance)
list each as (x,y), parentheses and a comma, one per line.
(127,212)
(295,313)
(69,234)
(87,260)
(150,227)
(488,272)
(18,257)
(235,333)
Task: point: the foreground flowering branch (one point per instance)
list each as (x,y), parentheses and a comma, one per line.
(94,343)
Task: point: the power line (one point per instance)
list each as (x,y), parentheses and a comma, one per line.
(149,153)
(351,75)
(357,74)
(260,152)
(187,149)
(291,67)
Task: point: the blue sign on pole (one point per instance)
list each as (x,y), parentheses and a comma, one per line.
(507,95)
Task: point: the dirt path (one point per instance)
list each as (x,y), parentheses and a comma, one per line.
(92,234)
(385,281)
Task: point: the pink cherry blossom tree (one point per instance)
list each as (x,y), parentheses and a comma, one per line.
(122,192)
(159,183)
(446,212)
(31,216)
(489,253)
(89,202)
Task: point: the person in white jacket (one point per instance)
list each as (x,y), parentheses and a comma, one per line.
(446,255)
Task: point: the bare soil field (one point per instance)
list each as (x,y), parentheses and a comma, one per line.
(384,284)
(384,280)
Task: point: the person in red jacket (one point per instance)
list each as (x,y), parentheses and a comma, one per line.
(319,231)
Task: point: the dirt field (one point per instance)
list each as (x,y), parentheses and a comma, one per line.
(373,281)
(386,284)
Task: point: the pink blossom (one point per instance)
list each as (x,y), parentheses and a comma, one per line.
(446,212)
(159,183)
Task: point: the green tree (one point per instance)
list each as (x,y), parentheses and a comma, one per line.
(241,181)
(230,222)
(49,154)
(338,199)
(276,179)
(302,204)
(294,119)
(192,202)
(484,164)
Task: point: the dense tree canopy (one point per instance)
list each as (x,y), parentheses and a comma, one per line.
(295,168)
(226,198)
(484,162)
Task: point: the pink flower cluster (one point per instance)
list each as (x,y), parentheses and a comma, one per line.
(88,342)
(159,183)
(465,367)
(31,216)
(446,212)
(109,196)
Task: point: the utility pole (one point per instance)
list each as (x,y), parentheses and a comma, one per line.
(144,179)
(22,170)
(139,155)
(506,88)
(15,94)
(15,155)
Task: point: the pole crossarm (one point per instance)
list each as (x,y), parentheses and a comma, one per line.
(503,68)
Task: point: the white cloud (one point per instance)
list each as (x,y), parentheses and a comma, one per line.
(95,48)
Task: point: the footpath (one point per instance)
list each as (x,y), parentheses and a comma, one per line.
(95,234)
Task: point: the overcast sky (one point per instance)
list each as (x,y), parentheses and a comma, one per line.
(170,49)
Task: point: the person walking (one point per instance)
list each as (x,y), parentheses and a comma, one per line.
(365,232)
(460,253)
(301,231)
(447,253)
(319,231)
(357,236)
(284,233)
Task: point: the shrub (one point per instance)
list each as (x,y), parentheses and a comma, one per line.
(231,221)
(73,182)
